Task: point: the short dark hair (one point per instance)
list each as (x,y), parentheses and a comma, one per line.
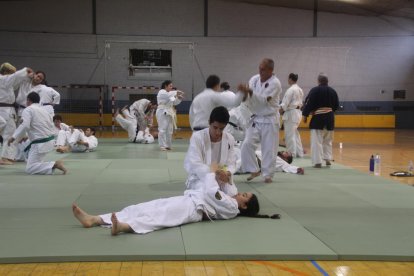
(252,209)
(44,82)
(92,130)
(165,84)
(57,117)
(225,85)
(219,114)
(288,159)
(323,79)
(293,77)
(33,97)
(212,81)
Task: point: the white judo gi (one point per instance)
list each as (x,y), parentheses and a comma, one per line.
(37,124)
(138,108)
(9,83)
(239,121)
(174,211)
(206,101)
(291,104)
(280,164)
(166,116)
(72,138)
(198,159)
(49,97)
(130,124)
(264,125)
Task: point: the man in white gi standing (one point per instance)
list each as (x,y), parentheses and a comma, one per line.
(9,81)
(210,98)
(292,115)
(37,124)
(264,90)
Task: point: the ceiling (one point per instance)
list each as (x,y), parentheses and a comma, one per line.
(398,8)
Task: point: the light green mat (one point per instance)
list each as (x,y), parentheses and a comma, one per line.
(327,214)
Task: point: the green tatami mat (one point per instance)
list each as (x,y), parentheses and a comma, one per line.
(326,214)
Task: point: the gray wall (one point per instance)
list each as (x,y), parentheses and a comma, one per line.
(362,55)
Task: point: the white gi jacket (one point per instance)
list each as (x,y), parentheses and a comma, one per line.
(139,107)
(37,124)
(48,97)
(212,200)
(206,101)
(166,101)
(265,111)
(9,83)
(291,103)
(197,161)
(239,121)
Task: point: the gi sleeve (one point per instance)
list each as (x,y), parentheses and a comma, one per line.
(24,126)
(228,99)
(55,96)
(225,206)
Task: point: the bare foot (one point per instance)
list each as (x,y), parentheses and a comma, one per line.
(300,171)
(253,175)
(59,165)
(118,227)
(318,166)
(5,161)
(328,163)
(116,112)
(125,107)
(268,180)
(85,219)
(163,149)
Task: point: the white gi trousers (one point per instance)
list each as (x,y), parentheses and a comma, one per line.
(165,128)
(321,145)
(292,136)
(267,134)
(7,128)
(130,125)
(157,214)
(37,153)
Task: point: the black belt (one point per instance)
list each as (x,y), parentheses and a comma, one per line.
(136,133)
(7,105)
(198,128)
(47,104)
(233,125)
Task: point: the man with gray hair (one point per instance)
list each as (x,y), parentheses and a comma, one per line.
(264,90)
(321,102)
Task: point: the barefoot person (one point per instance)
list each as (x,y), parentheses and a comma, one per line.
(208,202)
(38,125)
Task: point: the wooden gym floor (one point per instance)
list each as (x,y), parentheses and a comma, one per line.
(396,148)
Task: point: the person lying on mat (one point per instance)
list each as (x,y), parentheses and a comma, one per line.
(208,202)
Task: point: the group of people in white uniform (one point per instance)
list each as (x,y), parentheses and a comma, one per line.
(223,143)
(28,124)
